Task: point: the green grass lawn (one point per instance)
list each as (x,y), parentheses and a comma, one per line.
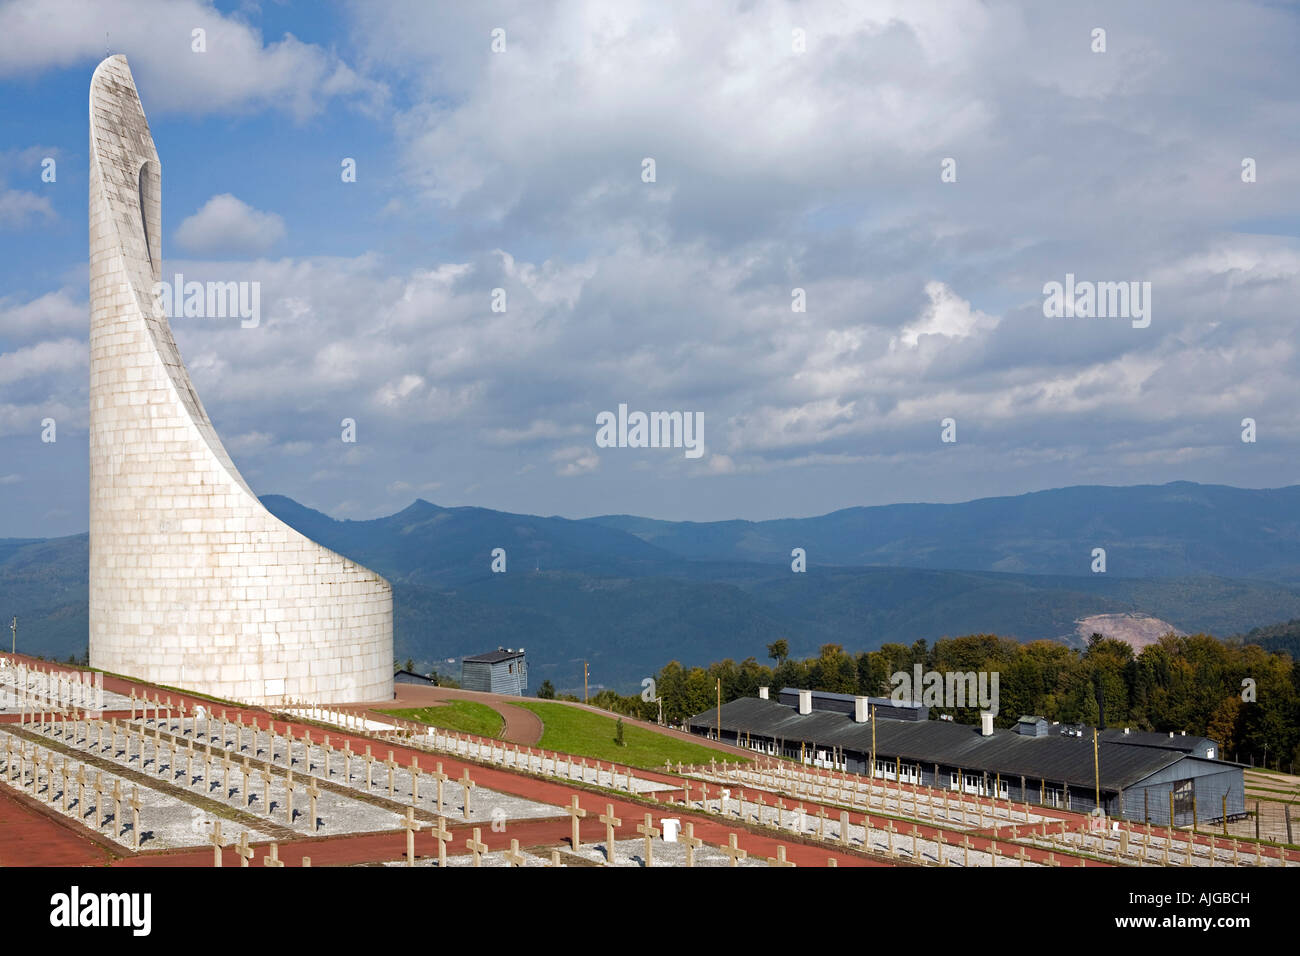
(580,732)
(465,716)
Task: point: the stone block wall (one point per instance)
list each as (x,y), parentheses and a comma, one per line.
(193,583)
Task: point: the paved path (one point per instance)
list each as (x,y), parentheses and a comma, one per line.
(30,836)
(521,726)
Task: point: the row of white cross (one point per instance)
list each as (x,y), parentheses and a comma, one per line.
(29,686)
(22,770)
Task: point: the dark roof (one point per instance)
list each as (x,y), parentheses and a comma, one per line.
(851,698)
(1055,758)
(412,674)
(1147,738)
(492,657)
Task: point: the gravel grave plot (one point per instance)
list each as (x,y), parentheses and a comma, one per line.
(632,853)
(629,853)
(894,803)
(335,814)
(614,781)
(10,697)
(807,823)
(165,822)
(486,806)
(1154,855)
(548,766)
(495,858)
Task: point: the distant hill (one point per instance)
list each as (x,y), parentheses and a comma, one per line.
(1276,637)
(45,584)
(629,594)
(1172,530)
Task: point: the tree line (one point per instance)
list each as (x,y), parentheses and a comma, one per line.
(1242,696)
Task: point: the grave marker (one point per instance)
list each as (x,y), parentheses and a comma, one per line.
(513,856)
(476,846)
(691,841)
(412,826)
(576,813)
(649,831)
(442,835)
(733,851)
(610,822)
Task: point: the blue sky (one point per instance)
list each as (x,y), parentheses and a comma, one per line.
(776,168)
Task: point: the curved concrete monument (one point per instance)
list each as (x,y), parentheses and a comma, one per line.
(193,583)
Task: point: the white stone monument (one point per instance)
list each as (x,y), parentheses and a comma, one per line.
(193,583)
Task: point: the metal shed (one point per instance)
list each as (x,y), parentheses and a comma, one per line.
(503,671)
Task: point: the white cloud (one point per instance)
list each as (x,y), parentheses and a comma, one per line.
(225,224)
(575,460)
(238,71)
(948,316)
(249,441)
(393,394)
(42,359)
(52,312)
(18,208)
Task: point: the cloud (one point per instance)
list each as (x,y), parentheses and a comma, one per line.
(42,359)
(776,170)
(575,460)
(536,431)
(948,316)
(249,441)
(49,314)
(225,224)
(238,71)
(18,208)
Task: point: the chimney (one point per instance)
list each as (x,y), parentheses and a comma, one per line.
(1125,731)
(986,725)
(861,709)
(762,693)
(805,702)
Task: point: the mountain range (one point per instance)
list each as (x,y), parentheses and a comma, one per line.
(628,594)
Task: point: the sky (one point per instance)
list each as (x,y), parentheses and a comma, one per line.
(921,171)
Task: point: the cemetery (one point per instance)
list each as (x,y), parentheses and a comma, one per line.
(142,770)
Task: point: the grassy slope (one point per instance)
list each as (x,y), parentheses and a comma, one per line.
(464,716)
(580,732)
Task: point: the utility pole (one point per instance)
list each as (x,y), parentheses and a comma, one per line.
(14,627)
(1096,766)
(584,682)
(872,771)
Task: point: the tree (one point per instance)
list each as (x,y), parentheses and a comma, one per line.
(1224,723)
(779,650)
(409,665)
(618,733)
(546,691)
